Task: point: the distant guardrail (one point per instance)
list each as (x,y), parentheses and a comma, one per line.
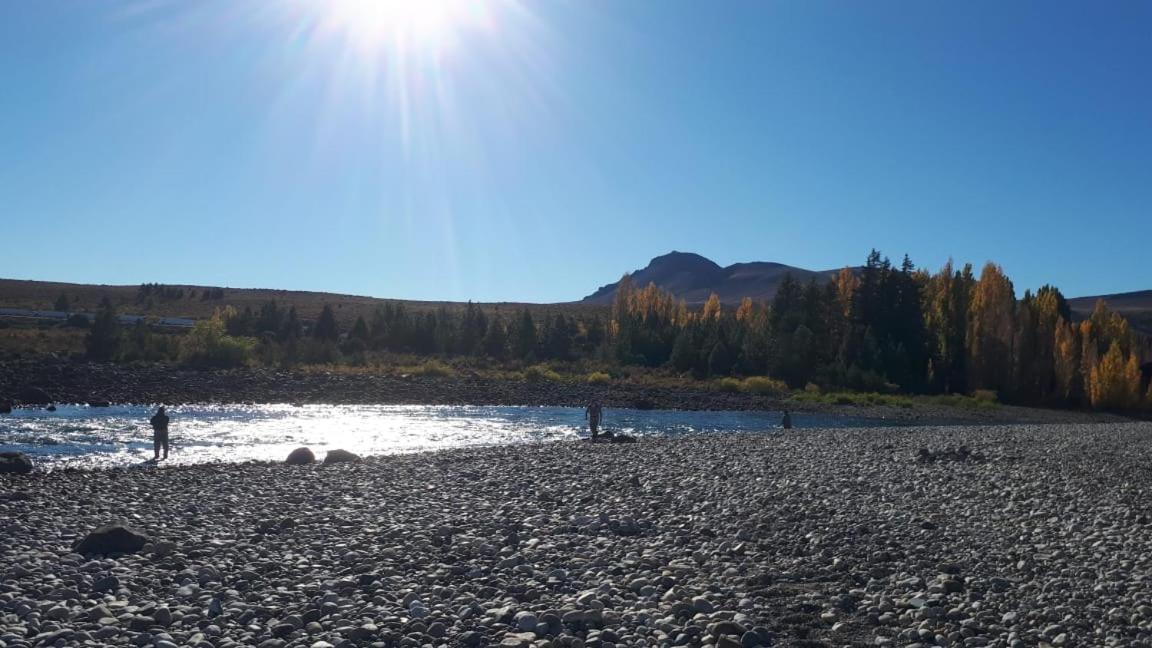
(177,322)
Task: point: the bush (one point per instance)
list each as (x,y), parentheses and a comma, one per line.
(208,346)
(540,373)
(812,388)
(434,369)
(764,385)
(599,378)
(728,385)
(985,396)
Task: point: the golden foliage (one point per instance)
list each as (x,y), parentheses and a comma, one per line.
(1114,381)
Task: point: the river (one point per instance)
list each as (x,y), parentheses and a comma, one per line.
(90,437)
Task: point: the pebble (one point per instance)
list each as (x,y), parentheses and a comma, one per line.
(825,537)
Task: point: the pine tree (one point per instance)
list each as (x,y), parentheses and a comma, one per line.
(103,340)
(325,328)
(524,341)
(495,342)
(684,351)
(359,330)
(719,360)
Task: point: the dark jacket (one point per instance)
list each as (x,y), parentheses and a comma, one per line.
(160,422)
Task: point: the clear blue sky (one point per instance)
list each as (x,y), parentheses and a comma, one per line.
(533,151)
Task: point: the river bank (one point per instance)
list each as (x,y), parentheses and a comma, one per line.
(1029,535)
(71,382)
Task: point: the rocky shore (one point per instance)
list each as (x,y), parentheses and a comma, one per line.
(70,382)
(959,536)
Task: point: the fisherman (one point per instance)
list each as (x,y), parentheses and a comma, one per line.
(786,422)
(160,432)
(594,412)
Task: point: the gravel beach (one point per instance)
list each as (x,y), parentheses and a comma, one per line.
(921,536)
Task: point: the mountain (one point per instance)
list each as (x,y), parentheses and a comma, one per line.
(693,278)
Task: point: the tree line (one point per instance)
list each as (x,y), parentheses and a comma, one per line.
(880,327)
(896,328)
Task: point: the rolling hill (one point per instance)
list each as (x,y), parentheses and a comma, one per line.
(1135,306)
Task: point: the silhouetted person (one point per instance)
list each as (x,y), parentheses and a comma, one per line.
(594,412)
(786,422)
(160,432)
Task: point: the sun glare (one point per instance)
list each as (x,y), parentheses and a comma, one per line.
(405,24)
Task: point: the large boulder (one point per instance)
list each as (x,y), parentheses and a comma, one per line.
(114,538)
(33,396)
(15,463)
(300,457)
(5,407)
(340,456)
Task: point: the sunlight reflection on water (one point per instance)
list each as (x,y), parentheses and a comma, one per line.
(83,436)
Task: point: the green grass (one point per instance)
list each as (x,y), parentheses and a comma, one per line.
(980,400)
(433,369)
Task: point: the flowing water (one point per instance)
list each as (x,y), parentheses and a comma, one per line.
(81,436)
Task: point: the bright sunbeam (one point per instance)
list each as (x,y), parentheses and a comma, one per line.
(374,25)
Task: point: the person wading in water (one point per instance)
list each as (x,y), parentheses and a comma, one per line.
(160,432)
(786,422)
(594,413)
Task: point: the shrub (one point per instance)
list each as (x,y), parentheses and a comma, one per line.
(599,378)
(541,372)
(812,388)
(985,396)
(434,369)
(207,345)
(764,385)
(728,385)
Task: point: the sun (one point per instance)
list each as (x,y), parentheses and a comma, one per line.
(401,24)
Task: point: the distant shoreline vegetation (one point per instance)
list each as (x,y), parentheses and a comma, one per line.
(880,329)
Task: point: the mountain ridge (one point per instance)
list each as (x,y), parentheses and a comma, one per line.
(693,278)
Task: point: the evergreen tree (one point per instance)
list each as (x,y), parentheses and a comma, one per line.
(270,319)
(325,329)
(62,303)
(684,356)
(291,329)
(359,330)
(524,340)
(719,360)
(103,340)
(495,342)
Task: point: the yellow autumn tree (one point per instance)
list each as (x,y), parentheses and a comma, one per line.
(744,311)
(991,330)
(1066,363)
(846,284)
(1115,380)
(711,310)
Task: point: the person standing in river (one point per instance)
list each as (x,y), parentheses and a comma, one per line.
(786,422)
(160,432)
(594,412)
